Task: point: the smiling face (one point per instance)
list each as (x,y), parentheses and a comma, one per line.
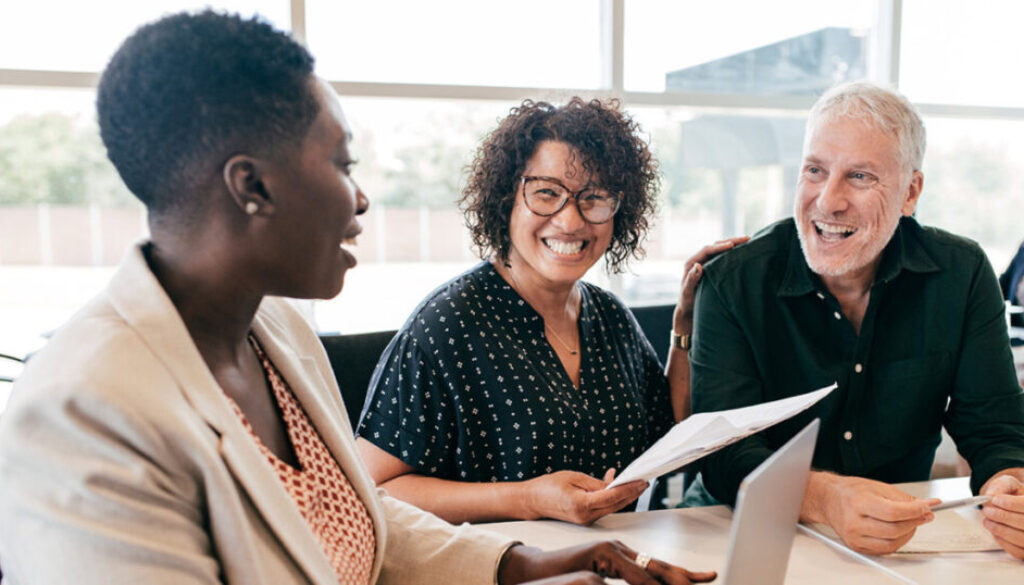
(852,190)
(316,203)
(556,250)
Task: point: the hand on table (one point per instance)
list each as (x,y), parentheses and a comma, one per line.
(590,563)
(576,497)
(870,516)
(692,271)
(1004,513)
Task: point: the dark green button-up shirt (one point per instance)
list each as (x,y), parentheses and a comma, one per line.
(933,350)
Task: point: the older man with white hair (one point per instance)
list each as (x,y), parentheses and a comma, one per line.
(907,319)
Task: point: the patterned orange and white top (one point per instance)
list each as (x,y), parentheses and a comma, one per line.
(325,498)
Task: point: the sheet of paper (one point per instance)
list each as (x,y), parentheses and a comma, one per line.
(952,531)
(706,432)
(958,530)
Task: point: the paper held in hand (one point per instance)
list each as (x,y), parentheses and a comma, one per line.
(706,432)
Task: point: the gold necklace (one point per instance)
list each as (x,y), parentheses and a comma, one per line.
(515,287)
(559,338)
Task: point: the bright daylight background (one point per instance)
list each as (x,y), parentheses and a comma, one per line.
(720,87)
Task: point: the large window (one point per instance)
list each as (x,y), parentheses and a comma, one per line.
(411,155)
(521,43)
(721,89)
(974,182)
(739,46)
(69,35)
(955,52)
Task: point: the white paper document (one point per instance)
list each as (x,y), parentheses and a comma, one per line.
(958,530)
(952,531)
(706,432)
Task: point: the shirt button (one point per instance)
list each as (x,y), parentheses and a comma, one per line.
(848,435)
(858,368)
(837,315)
(820,296)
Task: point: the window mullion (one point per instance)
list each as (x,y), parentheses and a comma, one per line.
(884,57)
(298,10)
(612,35)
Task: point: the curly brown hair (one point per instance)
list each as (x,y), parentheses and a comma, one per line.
(610,147)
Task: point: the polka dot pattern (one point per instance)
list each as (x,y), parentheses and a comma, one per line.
(324,496)
(471,390)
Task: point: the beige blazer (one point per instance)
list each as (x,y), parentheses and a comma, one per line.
(121,461)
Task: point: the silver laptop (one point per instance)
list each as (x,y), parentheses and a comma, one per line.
(767,511)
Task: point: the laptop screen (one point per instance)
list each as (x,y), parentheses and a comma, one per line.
(767,512)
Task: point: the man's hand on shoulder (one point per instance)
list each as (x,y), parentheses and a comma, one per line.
(693,269)
(870,516)
(1004,513)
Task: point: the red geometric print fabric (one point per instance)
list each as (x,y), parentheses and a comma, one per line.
(325,498)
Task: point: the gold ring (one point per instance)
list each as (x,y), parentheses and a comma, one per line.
(643,559)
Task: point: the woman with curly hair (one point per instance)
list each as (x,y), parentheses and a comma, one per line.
(515,386)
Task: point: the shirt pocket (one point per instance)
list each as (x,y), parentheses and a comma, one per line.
(908,400)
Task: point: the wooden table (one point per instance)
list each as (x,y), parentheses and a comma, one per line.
(697,538)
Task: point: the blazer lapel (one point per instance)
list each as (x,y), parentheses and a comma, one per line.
(315,387)
(141,300)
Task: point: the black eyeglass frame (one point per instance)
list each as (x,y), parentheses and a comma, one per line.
(574,195)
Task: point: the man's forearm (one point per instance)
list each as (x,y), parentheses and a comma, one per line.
(820,485)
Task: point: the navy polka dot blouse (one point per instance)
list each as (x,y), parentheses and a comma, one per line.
(470,389)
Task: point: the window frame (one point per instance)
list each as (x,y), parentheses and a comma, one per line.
(883,67)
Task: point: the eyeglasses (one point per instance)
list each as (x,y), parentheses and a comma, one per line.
(546,196)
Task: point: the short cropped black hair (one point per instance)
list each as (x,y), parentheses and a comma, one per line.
(185,93)
(610,146)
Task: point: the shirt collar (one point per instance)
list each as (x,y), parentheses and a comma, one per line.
(903,252)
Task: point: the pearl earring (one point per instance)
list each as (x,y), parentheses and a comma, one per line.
(252,207)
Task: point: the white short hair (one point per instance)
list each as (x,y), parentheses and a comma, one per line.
(886,109)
